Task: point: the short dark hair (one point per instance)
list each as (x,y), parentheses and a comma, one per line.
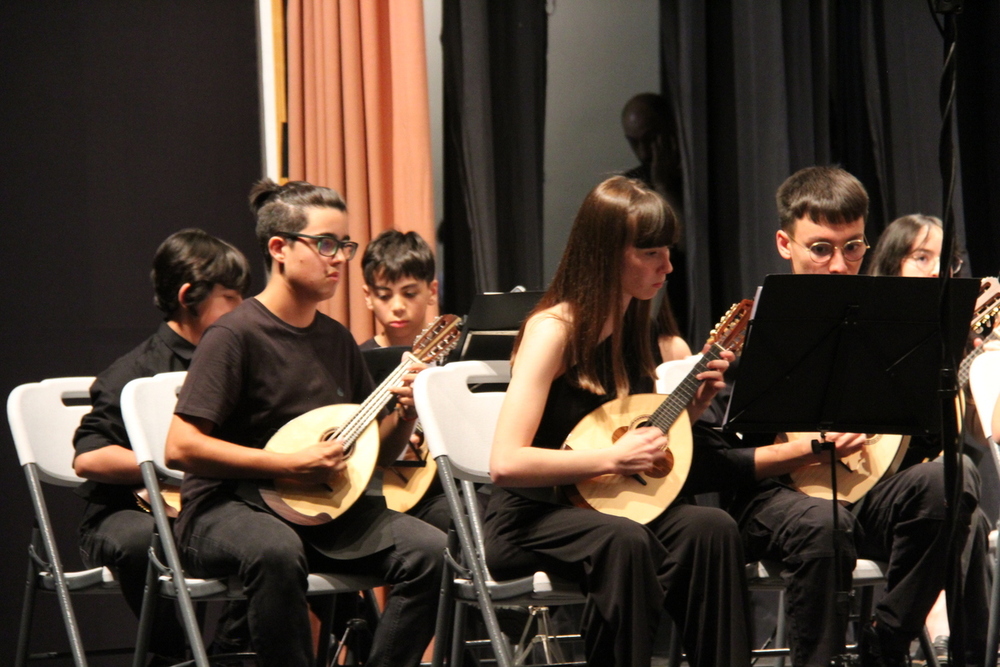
(195,257)
(895,242)
(393,255)
(282,208)
(823,194)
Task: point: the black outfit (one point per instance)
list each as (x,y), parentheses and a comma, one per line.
(898,521)
(115,532)
(688,561)
(251,374)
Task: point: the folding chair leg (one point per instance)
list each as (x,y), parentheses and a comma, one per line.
(446,608)
(147,614)
(781,629)
(458,635)
(27,611)
(52,554)
(191,626)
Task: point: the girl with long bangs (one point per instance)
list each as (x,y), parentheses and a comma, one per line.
(587,342)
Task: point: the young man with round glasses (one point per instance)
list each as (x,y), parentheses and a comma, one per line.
(270,360)
(822,211)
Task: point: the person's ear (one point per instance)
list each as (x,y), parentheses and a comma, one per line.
(182,295)
(784,243)
(368,296)
(277,246)
(434,293)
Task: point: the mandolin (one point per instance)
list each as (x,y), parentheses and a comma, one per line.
(644,497)
(879,457)
(408,479)
(312,504)
(983,317)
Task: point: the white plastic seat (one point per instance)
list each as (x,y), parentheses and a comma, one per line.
(147,408)
(458,425)
(43,417)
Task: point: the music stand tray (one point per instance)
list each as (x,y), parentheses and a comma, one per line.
(857,354)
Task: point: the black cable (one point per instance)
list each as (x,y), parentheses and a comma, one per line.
(950,432)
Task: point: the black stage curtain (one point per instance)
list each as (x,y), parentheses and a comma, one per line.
(494,107)
(762,91)
(120,123)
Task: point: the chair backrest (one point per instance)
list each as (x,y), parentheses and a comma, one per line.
(670,373)
(43,417)
(984,381)
(148,408)
(458,422)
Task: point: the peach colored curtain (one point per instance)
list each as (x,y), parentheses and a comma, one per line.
(359,122)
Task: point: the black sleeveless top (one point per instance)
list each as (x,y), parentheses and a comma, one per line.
(567,404)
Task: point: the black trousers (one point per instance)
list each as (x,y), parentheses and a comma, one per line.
(120,540)
(689,561)
(272,562)
(899,522)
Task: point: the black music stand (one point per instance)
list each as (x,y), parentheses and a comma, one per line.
(493,321)
(847,353)
(383,360)
(857,354)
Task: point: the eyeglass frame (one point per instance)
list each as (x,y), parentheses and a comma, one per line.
(863,240)
(955,266)
(350,248)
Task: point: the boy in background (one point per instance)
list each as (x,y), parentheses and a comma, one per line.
(399,286)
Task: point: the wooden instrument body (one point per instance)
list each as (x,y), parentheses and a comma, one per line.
(856,474)
(357,425)
(310,504)
(405,485)
(622,495)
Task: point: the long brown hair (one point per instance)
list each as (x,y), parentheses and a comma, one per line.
(616,214)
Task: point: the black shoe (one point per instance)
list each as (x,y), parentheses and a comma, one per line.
(879,648)
(941,650)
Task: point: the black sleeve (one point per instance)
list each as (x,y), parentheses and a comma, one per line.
(103,425)
(720,462)
(212,387)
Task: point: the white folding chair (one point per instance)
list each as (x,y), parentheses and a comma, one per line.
(147,408)
(984,382)
(670,373)
(43,417)
(458,425)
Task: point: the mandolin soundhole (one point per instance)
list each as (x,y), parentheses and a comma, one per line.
(331,434)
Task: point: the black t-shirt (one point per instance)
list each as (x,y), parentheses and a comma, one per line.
(252,373)
(164,351)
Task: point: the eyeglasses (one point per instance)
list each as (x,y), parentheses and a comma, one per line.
(326,246)
(927,263)
(822,252)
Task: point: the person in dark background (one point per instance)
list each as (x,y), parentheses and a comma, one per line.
(822,211)
(196,279)
(649,127)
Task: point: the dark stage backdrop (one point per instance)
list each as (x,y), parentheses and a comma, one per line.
(766,90)
(120,123)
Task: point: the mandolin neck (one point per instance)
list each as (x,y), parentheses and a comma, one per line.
(963,368)
(668,412)
(373,405)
